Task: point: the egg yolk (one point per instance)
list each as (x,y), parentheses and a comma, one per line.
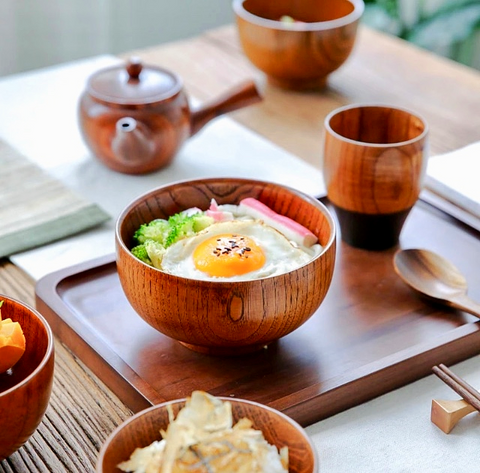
(228,255)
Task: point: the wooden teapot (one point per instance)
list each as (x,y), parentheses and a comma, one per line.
(134,117)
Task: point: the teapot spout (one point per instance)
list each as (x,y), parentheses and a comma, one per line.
(133,144)
(239,97)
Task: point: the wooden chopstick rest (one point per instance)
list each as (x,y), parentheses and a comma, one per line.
(446,414)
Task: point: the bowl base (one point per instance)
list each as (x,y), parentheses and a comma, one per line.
(298,84)
(225,351)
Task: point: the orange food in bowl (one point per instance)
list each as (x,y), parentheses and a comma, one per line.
(12,343)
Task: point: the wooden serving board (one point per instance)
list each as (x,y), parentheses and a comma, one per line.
(371,335)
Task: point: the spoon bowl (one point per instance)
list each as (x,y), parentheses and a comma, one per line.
(435,277)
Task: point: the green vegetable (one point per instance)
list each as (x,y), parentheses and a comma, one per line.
(183,226)
(155,252)
(156,230)
(141,253)
(155,237)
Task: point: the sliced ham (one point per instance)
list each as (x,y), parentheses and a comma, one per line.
(291,229)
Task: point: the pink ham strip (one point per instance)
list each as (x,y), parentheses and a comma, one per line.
(291,229)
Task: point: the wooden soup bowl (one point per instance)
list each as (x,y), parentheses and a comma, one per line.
(25,390)
(215,317)
(144,428)
(297,55)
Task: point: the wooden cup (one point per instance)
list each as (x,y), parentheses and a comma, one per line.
(375,159)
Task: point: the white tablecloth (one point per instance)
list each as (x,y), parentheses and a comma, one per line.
(392,433)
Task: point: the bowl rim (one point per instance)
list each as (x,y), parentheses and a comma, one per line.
(240,180)
(134,417)
(366,105)
(358,9)
(48,352)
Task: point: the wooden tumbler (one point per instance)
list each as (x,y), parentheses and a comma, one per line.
(375,158)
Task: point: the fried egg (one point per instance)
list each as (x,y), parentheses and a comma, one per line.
(235,250)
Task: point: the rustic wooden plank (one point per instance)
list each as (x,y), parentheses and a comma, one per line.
(82,410)
(381,69)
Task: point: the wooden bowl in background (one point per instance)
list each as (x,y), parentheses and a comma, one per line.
(297,55)
(25,391)
(144,428)
(216,317)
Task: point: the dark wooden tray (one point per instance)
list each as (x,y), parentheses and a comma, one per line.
(371,335)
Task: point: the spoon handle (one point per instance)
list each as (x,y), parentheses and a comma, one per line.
(464,303)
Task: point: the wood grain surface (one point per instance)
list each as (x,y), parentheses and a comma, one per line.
(82,410)
(371,334)
(226,317)
(25,389)
(375,159)
(299,55)
(381,68)
(138,126)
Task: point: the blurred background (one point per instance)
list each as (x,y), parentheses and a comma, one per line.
(39,33)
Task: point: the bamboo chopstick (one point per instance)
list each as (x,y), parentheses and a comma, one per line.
(461,387)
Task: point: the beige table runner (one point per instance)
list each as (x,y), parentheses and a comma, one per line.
(35,208)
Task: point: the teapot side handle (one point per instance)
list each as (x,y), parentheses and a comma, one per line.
(241,96)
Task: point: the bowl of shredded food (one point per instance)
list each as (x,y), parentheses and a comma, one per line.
(208,434)
(225,266)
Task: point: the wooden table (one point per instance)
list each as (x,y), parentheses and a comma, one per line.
(83,411)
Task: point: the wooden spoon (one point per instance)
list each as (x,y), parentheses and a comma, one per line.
(435,277)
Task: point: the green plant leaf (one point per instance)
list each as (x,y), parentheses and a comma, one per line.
(444,31)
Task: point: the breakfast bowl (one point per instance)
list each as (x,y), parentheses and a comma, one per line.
(144,428)
(225,316)
(26,386)
(297,44)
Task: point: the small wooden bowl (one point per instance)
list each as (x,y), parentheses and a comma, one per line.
(25,392)
(144,428)
(225,318)
(298,55)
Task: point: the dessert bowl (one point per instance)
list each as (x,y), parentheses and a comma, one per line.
(144,428)
(297,44)
(25,388)
(225,317)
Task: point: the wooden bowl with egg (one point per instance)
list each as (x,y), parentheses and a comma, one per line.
(25,387)
(297,44)
(144,428)
(222,316)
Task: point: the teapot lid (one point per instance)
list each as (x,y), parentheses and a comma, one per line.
(133,84)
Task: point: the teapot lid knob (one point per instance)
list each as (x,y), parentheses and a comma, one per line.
(134,67)
(133,83)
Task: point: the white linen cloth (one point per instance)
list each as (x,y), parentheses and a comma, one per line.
(455,176)
(390,434)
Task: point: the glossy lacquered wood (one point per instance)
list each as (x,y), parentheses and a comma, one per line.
(374,164)
(371,334)
(435,277)
(144,428)
(297,55)
(135,127)
(382,68)
(25,391)
(225,317)
(375,158)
